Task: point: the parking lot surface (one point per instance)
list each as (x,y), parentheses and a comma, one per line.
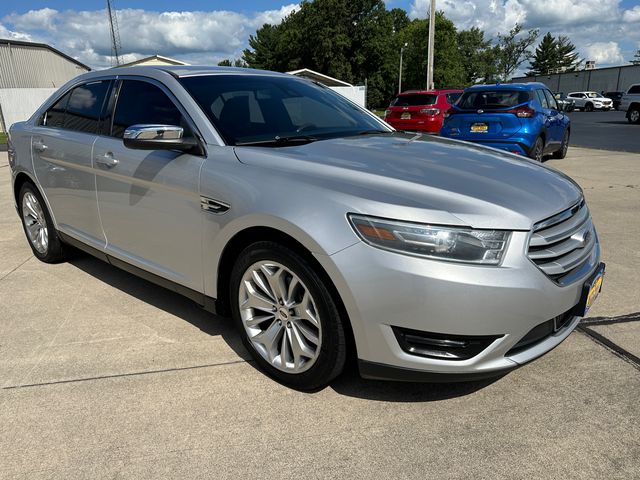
(103,375)
(604,131)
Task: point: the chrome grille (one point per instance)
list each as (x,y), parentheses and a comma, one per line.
(565,246)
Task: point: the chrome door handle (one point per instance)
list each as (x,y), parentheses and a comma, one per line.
(107,160)
(39,146)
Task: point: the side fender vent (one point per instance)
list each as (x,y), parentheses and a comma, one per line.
(214,206)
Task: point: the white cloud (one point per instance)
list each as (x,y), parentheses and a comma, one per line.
(632,15)
(604,53)
(204,37)
(583,21)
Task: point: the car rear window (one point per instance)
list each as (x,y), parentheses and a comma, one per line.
(493,99)
(414,100)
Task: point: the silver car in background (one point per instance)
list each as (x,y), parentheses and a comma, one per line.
(320,230)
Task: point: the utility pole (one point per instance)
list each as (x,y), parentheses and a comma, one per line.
(432,31)
(400,72)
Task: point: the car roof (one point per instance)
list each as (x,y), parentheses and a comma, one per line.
(176,71)
(507,86)
(430,92)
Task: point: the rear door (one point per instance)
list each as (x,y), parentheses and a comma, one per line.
(149,199)
(62,146)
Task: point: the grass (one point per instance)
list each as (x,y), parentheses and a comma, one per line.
(3,138)
(379,112)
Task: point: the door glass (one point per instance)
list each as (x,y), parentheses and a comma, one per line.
(542,99)
(85,105)
(551,100)
(143,103)
(55,115)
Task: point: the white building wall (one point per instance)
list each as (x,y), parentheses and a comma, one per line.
(357,94)
(18,104)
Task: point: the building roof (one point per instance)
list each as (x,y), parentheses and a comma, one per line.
(154,59)
(319,77)
(22,43)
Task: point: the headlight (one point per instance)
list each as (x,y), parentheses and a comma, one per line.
(452,244)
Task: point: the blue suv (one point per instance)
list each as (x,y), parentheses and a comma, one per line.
(522,118)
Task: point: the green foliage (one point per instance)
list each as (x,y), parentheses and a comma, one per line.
(554,55)
(636,58)
(479,58)
(224,63)
(512,50)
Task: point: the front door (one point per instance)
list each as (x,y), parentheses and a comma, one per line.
(148,199)
(62,146)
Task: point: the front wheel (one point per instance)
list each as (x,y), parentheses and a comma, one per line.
(564,147)
(634,115)
(537,150)
(287,317)
(588,107)
(38,226)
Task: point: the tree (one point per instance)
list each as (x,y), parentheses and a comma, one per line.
(568,58)
(477,55)
(224,63)
(512,50)
(636,58)
(545,59)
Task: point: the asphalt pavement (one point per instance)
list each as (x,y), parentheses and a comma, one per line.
(104,375)
(604,131)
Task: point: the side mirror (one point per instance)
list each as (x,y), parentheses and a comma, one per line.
(158,137)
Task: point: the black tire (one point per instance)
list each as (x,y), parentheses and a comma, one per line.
(331,358)
(564,147)
(537,151)
(633,115)
(56,251)
(588,107)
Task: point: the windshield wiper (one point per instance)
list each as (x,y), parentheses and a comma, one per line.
(280,141)
(373,132)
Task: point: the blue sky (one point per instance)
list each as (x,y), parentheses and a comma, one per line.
(607,31)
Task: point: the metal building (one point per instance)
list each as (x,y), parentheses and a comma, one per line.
(610,79)
(29,74)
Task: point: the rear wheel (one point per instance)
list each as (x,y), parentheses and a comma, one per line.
(564,147)
(588,107)
(287,317)
(537,150)
(634,115)
(38,226)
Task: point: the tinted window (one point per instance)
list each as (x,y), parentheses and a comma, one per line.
(551,100)
(414,100)
(85,105)
(143,103)
(634,89)
(488,99)
(542,98)
(453,97)
(249,108)
(55,115)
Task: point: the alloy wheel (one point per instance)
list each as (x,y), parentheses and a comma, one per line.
(35,222)
(280,317)
(634,116)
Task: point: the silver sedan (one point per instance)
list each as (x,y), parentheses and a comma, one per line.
(320,230)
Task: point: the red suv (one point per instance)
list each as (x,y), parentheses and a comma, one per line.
(418,110)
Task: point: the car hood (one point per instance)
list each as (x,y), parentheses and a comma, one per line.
(426,179)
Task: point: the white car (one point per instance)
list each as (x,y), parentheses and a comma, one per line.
(590,101)
(630,103)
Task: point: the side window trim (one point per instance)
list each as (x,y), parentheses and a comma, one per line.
(169,94)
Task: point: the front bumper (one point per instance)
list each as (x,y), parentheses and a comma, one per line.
(383,289)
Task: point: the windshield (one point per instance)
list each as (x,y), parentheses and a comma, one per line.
(414,100)
(258,108)
(593,94)
(492,99)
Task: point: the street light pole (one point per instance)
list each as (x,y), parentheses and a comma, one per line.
(400,72)
(432,31)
